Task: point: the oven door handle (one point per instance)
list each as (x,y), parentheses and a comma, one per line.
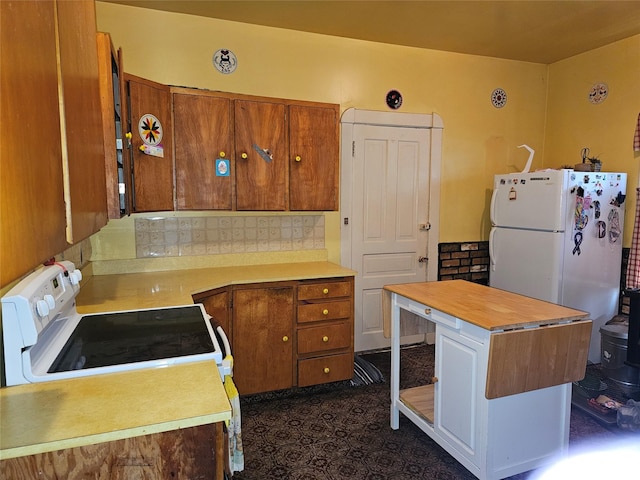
(225,341)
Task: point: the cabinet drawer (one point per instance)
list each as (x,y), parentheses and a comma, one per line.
(313,312)
(324,290)
(325,369)
(324,337)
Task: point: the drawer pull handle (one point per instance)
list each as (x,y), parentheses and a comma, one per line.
(326,370)
(325,339)
(285,339)
(325,291)
(427,311)
(298,158)
(244,155)
(325,312)
(222,154)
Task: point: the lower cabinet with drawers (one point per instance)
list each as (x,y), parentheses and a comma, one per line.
(287,334)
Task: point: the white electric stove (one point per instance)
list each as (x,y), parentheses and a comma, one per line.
(46,339)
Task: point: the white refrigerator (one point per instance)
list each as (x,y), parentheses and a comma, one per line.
(557,236)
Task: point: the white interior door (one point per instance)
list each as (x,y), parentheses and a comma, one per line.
(387,227)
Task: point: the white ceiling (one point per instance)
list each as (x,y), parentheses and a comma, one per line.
(534,30)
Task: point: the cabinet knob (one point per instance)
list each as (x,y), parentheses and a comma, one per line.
(222,154)
(325,312)
(326,370)
(325,339)
(244,155)
(325,291)
(434,379)
(298,158)
(285,339)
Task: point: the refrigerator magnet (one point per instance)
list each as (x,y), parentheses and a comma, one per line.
(512,194)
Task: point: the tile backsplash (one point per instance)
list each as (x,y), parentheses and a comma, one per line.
(182,236)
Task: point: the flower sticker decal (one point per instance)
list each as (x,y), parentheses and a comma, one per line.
(150,129)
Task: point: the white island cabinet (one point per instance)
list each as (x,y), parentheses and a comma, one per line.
(500,398)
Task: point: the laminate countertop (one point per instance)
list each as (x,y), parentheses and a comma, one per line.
(103,293)
(49,416)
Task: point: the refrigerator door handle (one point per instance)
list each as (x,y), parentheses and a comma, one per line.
(492,207)
(492,261)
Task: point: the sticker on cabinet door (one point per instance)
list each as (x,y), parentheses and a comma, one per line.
(150,131)
(222,167)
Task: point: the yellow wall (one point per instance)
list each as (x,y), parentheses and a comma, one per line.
(479,140)
(606,128)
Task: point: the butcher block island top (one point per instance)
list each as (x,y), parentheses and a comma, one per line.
(485,307)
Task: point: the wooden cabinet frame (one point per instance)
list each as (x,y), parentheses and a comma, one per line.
(326,332)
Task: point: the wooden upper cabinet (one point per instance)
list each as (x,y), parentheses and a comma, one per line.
(151,144)
(82,118)
(32,209)
(113,109)
(260,156)
(203,139)
(314,161)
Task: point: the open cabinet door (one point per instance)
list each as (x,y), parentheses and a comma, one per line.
(151,144)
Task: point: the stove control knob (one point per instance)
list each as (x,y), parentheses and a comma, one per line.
(75,277)
(42,308)
(51,302)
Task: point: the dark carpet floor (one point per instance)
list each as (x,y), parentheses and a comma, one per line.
(334,432)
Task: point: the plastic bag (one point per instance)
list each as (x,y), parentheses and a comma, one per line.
(629,416)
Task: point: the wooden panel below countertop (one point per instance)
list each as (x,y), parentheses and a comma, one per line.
(195,452)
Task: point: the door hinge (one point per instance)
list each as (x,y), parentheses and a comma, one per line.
(353,148)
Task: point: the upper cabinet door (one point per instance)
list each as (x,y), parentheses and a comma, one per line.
(314,163)
(113,115)
(261,156)
(202,129)
(32,210)
(152,145)
(87,197)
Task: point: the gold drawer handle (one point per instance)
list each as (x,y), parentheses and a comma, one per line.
(325,291)
(326,370)
(427,311)
(325,312)
(285,339)
(325,339)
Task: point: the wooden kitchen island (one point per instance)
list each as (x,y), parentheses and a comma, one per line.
(500,398)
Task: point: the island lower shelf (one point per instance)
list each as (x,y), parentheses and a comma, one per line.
(420,400)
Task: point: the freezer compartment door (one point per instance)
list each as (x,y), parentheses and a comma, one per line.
(527,262)
(535,201)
